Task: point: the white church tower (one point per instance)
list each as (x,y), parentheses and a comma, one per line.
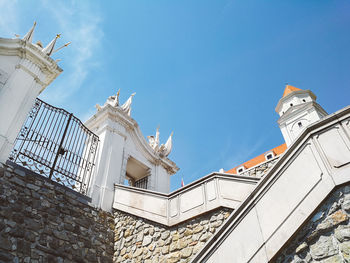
(297,109)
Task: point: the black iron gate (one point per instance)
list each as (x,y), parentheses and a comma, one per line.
(56,144)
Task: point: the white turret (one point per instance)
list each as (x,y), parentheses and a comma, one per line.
(297,109)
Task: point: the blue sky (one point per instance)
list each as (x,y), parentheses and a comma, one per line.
(211,71)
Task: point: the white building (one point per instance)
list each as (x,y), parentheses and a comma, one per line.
(297,109)
(125,155)
(26,69)
(269,197)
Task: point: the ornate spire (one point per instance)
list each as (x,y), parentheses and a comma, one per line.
(116,99)
(126,107)
(49,48)
(65,45)
(29,36)
(165,149)
(154,141)
(157,139)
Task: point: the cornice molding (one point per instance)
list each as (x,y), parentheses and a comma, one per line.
(131,127)
(26,50)
(292,94)
(303,107)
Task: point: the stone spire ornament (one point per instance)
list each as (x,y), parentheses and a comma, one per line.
(50,47)
(29,36)
(111,100)
(157,138)
(116,99)
(126,107)
(98,107)
(165,149)
(65,45)
(154,141)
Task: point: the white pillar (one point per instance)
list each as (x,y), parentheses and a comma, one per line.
(24,73)
(109,162)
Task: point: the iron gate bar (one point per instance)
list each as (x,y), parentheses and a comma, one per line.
(56,144)
(59,152)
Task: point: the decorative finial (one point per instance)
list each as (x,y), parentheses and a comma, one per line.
(157,139)
(65,45)
(39,44)
(165,149)
(29,36)
(98,107)
(154,140)
(49,48)
(115,103)
(126,107)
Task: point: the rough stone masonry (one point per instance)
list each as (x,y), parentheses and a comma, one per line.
(326,236)
(140,240)
(41,221)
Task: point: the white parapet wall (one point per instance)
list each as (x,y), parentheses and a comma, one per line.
(311,168)
(208,193)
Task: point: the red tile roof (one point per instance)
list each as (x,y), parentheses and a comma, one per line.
(289,89)
(259,159)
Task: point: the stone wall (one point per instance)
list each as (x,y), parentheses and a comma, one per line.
(326,236)
(262,169)
(41,221)
(141,240)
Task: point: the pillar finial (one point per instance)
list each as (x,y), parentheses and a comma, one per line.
(29,36)
(49,48)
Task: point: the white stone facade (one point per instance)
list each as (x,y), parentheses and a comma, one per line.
(25,71)
(297,110)
(124,154)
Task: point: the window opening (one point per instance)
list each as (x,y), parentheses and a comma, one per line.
(142,183)
(136,174)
